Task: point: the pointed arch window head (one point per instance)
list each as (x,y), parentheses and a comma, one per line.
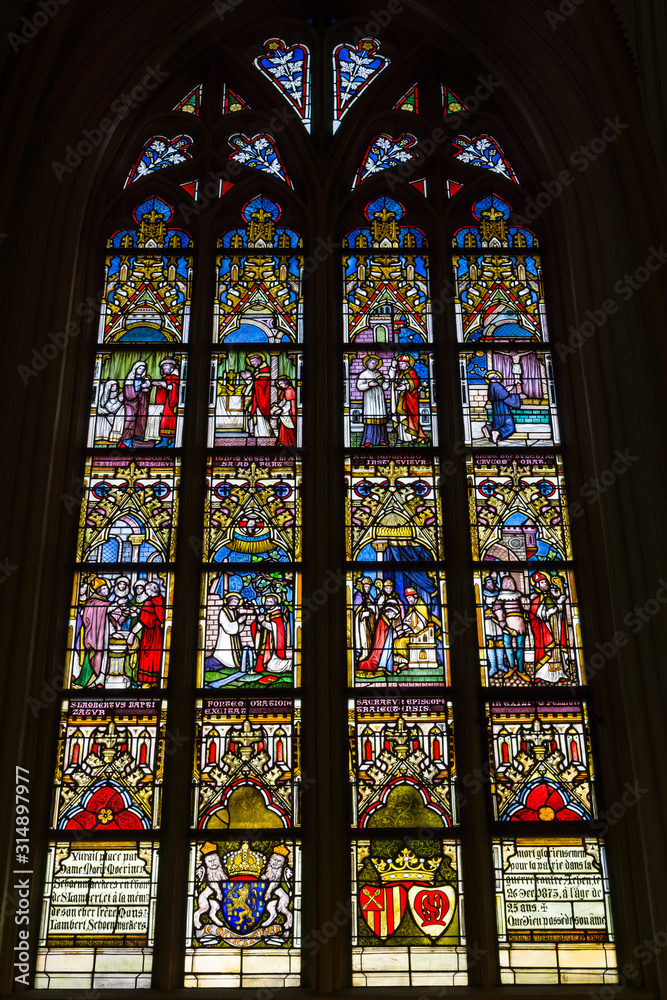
(498,296)
(153,232)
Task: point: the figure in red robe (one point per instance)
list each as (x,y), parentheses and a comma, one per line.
(166,396)
(270,638)
(406,385)
(151,623)
(285,410)
(549,625)
(387,624)
(260,403)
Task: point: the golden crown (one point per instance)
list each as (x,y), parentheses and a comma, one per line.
(244,862)
(407,868)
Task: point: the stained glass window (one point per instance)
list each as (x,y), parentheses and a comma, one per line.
(244,895)
(98,921)
(553,916)
(408,927)
(100,892)
(220,409)
(408,917)
(251,933)
(250,628)
(545,605)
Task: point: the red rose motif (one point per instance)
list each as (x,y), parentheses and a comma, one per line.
(105,811)
(546,803)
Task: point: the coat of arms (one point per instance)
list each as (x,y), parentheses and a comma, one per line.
(244,897)
(407,879)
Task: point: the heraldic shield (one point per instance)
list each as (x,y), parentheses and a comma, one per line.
(407,879)
(432,908)
(383,907)
(243,903)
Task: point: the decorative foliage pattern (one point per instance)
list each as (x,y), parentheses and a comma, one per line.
(483,151)
(451,103)
(259,152)
(355,66)
(385,152)
(409,101)
(289,70)
(160,152)
(231,101)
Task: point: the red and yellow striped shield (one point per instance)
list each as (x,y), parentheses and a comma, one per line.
(383,907)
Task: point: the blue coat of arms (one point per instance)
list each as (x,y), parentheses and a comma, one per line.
(243,903)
